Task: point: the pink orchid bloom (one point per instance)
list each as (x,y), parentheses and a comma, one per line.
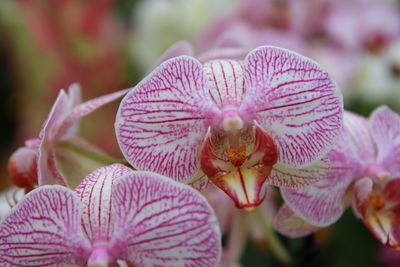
(321,204)
(60,125)
(358,24)
(365,163)
(114,215)
(269,118)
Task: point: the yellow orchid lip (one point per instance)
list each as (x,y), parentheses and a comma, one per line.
(238,174)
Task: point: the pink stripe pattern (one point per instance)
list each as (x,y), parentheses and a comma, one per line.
(364,169)
(322,203)
(163,223)
(95,195)
(115,214)
(296,101)
(44,230)
(163,121)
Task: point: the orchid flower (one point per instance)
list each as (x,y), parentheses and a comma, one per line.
(60,125)
(357,24)
(270,118)
(114,215)
(321,204)
(365,171)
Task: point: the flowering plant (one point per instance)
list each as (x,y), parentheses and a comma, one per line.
(227,123)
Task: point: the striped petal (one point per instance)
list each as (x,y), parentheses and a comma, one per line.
(225,82)
(385,129)
(44,230)
(95,195)
(286,177)
(322,203)
(160,222)
(161,122)
(48,172)
(295,100)
(287,223)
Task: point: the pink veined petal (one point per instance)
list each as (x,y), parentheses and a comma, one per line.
(160,222)
(95,194)
(182,48)
(84,109)
(286,177)
(44,230)
(225,82)
(161,122)
(287,223)
(295,100)
(48,172)
(322,203)
(56,116)
(358,132)
(385,129)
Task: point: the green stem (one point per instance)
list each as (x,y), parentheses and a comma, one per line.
(275,244)
(92,155)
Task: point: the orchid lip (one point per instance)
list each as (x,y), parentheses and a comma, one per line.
(241,176)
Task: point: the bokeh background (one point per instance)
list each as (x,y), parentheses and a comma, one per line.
(108,45)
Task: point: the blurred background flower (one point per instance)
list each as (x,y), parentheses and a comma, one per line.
(108,45)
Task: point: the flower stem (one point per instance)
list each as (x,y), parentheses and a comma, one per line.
(92,155)
(237,238)
(275,244)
